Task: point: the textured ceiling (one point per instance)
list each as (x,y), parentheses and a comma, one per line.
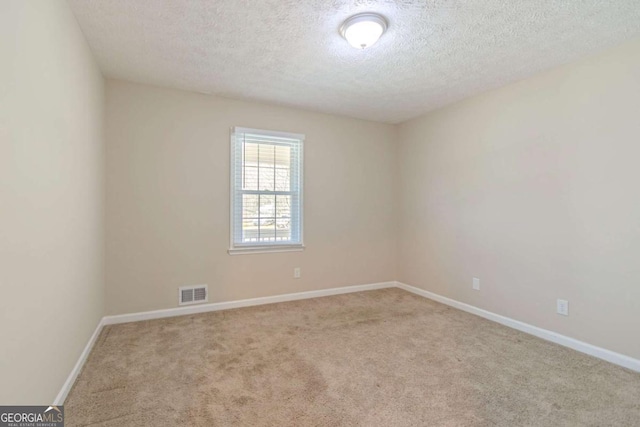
(290,52)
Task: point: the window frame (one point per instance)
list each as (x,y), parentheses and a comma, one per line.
(235,221)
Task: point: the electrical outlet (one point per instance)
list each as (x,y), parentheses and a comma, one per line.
(476,283)
(563,307)
(296,273)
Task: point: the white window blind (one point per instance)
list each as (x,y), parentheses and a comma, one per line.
(266,190)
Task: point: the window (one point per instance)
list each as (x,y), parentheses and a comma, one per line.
(266,191)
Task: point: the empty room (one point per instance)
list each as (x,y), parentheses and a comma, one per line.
(319,213)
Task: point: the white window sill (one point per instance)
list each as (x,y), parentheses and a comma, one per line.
(265,249)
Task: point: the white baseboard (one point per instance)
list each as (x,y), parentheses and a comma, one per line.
(581,346)
(203,308)
(71,379)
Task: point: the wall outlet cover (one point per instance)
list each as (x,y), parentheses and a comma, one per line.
(563,307)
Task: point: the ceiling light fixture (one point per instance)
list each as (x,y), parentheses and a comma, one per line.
(364,29)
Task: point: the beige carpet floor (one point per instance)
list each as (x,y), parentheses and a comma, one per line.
(377,358)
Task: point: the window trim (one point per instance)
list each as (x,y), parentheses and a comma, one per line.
(248,248)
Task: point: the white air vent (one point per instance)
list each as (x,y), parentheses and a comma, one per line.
(192,294)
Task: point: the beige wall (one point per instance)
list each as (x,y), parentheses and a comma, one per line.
(533,188)
(168,200)
(51,198)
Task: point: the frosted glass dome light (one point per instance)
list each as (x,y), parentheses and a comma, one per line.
(364,29)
